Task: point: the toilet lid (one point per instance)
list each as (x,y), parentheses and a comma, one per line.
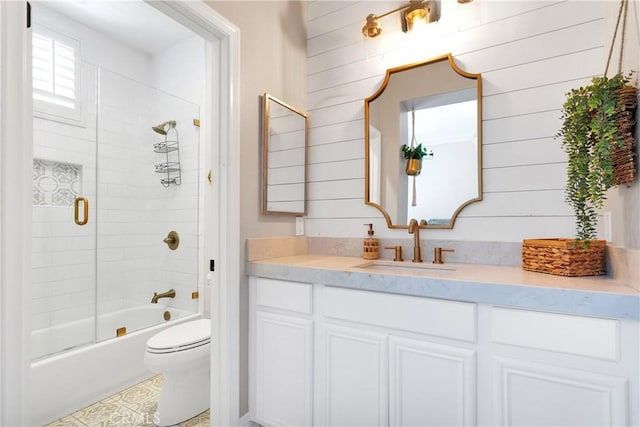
(181,337)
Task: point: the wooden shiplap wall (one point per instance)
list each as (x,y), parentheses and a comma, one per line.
(530,53)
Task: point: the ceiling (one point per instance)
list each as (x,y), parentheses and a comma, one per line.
(131,22)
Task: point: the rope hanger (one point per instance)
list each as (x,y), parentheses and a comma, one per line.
(624,7)
(413,141)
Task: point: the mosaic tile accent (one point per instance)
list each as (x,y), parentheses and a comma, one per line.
(55,183)
(132,407)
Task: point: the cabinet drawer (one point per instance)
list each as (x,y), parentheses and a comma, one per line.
(292,296)
(563,333)
(449,319)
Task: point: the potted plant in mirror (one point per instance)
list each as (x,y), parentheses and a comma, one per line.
(597,135)
(414,156)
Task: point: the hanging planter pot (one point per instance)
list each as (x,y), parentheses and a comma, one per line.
(413,167)
(414,156)
(623,155)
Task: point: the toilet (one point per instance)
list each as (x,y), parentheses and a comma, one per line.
(181,353)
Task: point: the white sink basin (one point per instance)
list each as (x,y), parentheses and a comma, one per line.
(407,267)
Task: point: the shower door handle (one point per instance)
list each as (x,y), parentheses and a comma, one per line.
(76,211)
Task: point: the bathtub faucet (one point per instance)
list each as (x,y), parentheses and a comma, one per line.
(169,294)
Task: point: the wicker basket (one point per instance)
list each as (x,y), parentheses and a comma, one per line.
(563,257)
(624,157)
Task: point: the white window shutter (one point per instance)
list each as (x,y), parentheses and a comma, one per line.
(56,75)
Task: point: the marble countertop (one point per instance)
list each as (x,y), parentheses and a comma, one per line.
(499,285)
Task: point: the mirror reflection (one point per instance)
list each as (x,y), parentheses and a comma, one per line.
(423,143)
(284,153)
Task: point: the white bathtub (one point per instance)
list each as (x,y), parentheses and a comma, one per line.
(53,340)
(70,380)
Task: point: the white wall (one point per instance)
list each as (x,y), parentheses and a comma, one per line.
(530,53)
(179,70)
(273,60)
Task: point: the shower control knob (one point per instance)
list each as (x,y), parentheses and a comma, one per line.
(172,240)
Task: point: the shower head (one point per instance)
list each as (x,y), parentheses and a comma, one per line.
(161,128)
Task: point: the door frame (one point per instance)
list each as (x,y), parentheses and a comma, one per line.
(16,157)
(221,233)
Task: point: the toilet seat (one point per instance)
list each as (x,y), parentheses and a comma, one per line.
(181,337)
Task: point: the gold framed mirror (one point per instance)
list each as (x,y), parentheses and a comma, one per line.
(438,106)
(285,132)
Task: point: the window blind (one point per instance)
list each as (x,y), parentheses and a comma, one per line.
(54,71)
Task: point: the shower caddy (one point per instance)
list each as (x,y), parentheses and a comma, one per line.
(170,147)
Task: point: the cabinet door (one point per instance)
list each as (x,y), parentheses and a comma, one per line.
(529,394)
(430,384)
(283,370)
(351,377)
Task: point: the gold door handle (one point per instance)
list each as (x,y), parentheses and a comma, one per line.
(76,211)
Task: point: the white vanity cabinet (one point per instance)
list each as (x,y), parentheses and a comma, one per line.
(280,352)
(334,356)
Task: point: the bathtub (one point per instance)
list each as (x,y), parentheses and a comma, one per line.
(73,379)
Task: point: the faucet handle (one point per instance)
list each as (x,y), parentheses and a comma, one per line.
(398,252)
(437,254)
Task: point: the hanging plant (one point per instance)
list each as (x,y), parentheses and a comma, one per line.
(591,133)
(414,156)
(597,135)
(417,152)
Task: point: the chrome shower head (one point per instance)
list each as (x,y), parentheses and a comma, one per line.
(161,128)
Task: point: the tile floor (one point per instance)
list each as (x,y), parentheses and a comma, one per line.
(132,407)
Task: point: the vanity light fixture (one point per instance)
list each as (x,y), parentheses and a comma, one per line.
(419,12)
(415,12)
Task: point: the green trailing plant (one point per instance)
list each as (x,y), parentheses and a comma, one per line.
(416,152)
(590,133)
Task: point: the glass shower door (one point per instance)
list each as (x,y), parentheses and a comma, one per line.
(103,209)
(64,226)
(140,202)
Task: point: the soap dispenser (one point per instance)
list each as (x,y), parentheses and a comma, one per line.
(370,246)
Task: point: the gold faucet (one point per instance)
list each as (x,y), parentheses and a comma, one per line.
(414,228)
(169,294)
(398,252)
(437,254)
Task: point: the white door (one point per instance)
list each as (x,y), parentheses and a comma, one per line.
(430,384)
(284,370)
(351,378)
